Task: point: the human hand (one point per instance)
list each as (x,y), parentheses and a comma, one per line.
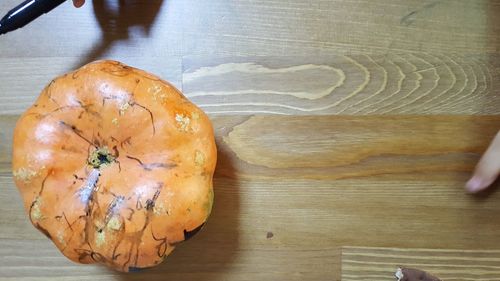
(409,274)
(488,168)
(78,3)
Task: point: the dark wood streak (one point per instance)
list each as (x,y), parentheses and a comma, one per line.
(75,130)
(151,166)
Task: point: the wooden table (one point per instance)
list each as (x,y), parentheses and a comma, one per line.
(347,123)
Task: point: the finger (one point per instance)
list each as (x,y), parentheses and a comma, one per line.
(78,3)
(409,274)
(488,168)
(415,275)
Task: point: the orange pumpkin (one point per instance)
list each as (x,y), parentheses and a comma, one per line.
(114,165)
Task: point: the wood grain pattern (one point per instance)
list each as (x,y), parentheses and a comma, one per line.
(317,27)
(317,183)
(436,37)
(379,264)
(260,27)
(344,84)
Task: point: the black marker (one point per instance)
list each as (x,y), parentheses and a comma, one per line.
(25,13)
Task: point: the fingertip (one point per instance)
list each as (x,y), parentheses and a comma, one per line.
(488,168)
(477,184)
(78,3)
(474,185)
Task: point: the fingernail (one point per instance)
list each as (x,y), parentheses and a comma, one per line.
(474,184)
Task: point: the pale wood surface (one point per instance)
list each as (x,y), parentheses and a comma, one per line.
(291,191)
(316,183)
(432,39)
(380,264)
(345,84)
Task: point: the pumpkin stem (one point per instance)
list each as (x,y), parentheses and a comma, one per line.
(100,157)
